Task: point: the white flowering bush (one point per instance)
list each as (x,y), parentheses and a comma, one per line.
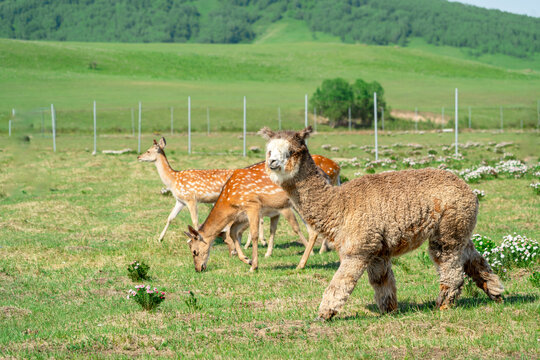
(146,297)
(483,243)
(138,270)
(515,251)
(536,187)
(482,172)
(480,194)
(514,168)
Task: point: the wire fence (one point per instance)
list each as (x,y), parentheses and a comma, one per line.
(206,120)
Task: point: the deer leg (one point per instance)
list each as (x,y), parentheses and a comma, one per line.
(177,207)
(381,278)
(253,218)
(309,248)
(324,246)
(194,212)
(248,242)
(235,230)
(273,227)
(341,286)
(261,232)
(288,214)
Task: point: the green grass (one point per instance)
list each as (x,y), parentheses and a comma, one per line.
(70,223)
(271,75)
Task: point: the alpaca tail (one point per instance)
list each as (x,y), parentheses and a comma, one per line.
(479,270)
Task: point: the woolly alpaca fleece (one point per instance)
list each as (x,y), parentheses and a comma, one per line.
(375,217)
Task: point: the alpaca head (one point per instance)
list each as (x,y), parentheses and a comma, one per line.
(199,248)
(151,154)
(284,151)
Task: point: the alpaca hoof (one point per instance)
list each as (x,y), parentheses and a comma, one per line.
(327,314)
(498,299)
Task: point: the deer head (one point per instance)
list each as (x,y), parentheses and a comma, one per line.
(152,153)
(284,151)
(199,248)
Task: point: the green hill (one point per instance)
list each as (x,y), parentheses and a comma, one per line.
(71,75)
(382,22)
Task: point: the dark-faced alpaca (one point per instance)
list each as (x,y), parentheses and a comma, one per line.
(375,217)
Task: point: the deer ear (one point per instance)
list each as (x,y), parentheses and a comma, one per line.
(193,231)
(266,133)
(304,134)
(155,142)
(189,236)
(162,143)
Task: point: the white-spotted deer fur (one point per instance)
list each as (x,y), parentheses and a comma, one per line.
(375,217)
(189,187)
(248,195)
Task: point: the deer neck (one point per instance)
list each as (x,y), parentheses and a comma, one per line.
(166,173)
(314,197)
(222,214)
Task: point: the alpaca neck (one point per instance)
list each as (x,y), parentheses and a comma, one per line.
(166,173)
(310,193)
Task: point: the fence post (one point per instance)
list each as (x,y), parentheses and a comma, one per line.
(9,127)
(279,117)
(350,125)
(538,113)
(53,121)
(469,117)
(172,120)
(416,119)
(244,135)
(456,121)
(207,120)
(189,125)
(315,118)
(139,137)
(305,113)
(95,130)
(502,129)
(375,116)
(382,119)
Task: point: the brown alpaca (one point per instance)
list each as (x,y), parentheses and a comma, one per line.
(375,217)
(249,194)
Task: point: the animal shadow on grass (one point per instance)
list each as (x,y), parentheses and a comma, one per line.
(327,265)
(405,307)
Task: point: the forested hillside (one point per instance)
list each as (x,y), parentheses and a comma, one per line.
(379,22)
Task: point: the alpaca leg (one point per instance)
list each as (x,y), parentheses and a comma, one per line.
(253,218)
(309,249)
(273,227)
(177,207)
(235,231)
(450,268)
(479,270)
(341,286)
(288,214)
(381,278)
(194,212)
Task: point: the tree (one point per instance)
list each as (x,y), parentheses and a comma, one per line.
(334,97)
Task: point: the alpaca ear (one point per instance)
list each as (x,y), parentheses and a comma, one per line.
(266,133)
(304,134)
(162,143)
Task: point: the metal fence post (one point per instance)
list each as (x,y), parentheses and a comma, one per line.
(375,116)
(456,120)
(53,120)
(172,120)
(350,125)
(95,130)
(189,125)
(305,113)
(139,137)
(244,134)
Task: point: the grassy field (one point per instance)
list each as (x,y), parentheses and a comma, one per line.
(271,75)
(70,223)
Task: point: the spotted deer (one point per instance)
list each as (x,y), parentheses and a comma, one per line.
(248,195)
(376,217)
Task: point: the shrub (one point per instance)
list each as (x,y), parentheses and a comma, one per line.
(535,279)
(483,243)
(146,297)
(515,251)
(536,187)
(191,302)
(480,194)
(138,270)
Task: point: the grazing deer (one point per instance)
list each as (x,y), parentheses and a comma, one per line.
(189,187)
(248,195)
(376,217)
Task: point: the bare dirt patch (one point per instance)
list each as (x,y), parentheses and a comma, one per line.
(13,311)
